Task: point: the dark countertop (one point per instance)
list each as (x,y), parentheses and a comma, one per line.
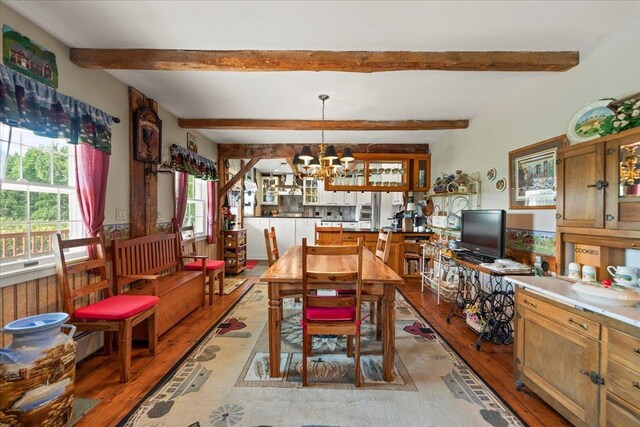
(367,230)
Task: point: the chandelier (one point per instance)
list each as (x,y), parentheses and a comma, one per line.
(325,164)
(630,167)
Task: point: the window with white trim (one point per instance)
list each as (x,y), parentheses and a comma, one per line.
(38,198)
(196,212)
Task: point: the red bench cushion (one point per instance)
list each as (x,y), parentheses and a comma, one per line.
(210,264)
(331,313)
(116,308)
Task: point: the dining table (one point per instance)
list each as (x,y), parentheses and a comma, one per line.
(284,278)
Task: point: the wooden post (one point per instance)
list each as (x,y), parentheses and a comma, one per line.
(143,178)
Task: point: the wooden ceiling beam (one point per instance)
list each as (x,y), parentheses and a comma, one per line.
(242,172)
(279,151)
(308,60)
(264,124)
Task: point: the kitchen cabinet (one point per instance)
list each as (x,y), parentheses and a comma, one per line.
(585,365)
(420,173)
(310,192)
(374,172)
(269,193)
(305,228)
(363,198)
(285,232)
(351,198)
(599,184)
(256,248)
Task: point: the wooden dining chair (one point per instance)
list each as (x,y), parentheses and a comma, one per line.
(383,248)
(211,268)
(271,243)
(328,235)
(110,314)
(330,315)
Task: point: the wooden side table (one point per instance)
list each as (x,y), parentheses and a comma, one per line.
(235,250)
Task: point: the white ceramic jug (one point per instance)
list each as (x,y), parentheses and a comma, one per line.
(624,275)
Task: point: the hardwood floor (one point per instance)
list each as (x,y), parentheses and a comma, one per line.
(97,377)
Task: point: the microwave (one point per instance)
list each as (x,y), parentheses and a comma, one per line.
(364,213)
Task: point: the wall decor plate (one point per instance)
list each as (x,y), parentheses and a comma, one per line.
(585,124)
(491,174)
(501,184)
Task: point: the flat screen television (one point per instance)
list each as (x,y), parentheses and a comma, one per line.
(483,232)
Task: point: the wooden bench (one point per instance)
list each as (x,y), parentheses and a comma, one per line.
(150,265)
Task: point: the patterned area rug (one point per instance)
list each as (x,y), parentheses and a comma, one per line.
(225,380)
(230,285)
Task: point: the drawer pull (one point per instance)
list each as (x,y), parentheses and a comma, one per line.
(636,385)
(532,304)
(585,373)
(582,325)
(636,350)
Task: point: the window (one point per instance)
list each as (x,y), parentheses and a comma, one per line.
(38,198)
(196,213)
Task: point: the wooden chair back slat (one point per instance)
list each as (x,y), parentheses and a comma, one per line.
(89,289)
(271,243)
(383,246)
(82,289)
(328,235)
(332,250)
(324,301)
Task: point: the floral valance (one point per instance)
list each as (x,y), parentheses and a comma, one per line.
(183,160)
(32,105)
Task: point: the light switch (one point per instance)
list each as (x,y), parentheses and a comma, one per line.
(121,214)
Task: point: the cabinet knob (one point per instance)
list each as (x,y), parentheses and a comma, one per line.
(558,216)
(599,185)
(610,217)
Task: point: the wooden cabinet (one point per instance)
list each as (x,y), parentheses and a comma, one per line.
(420,173)
(585,365)
(599,183)
(235,250)
(556,361)
(378,172)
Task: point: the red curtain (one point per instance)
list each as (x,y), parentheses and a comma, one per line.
(212,209)
(181,187)
(92,168)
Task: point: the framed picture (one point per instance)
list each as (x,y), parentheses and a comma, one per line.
(147,135)
(192,143)
(532,175)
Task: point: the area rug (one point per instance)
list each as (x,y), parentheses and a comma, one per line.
(225,381)
(251,263)
(80,408)
(230,285)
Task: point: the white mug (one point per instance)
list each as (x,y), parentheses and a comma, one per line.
(574,270)
(623,275)
(588,273)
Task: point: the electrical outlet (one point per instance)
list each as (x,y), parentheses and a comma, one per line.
(120,214)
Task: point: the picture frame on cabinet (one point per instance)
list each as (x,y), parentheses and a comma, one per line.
(532,174)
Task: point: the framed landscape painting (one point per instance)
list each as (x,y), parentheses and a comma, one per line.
(532,175)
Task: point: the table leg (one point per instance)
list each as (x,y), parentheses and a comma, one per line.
(275,310)
(388,330)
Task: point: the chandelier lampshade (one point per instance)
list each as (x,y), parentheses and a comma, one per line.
(347,155)
(330,153)
(306,155)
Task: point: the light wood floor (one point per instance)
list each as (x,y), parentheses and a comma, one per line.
(97,377)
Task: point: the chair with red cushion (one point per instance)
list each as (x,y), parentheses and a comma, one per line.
(211,268)
(331,315)
(110,314)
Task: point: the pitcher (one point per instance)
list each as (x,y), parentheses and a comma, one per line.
(624,275)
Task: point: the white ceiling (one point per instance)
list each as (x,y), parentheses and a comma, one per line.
(276,166)
(426,95)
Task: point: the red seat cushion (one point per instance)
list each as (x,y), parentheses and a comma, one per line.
(116,308)
(343,292)
(331,313)
(210,264)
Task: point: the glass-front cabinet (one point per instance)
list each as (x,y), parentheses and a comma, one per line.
(310,192)
(623,178)
(374,172)
(421,173)
(353,177)
(269,191)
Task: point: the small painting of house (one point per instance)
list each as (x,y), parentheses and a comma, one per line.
(27,57)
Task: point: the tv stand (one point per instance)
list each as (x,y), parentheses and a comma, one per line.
(476,258)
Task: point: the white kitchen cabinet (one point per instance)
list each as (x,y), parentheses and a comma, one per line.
(305,228)
(269,198)
(310,192)
(255,237)
(350,199)
(285,232)
(364,199)
(352,225)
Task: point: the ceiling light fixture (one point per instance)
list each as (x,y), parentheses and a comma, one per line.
(325,164)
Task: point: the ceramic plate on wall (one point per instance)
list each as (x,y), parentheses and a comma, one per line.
(585,123)
(501,184)
(491,174)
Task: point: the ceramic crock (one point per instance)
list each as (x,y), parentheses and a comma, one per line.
(37,371)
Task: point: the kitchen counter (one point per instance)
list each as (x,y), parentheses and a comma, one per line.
(561,291)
